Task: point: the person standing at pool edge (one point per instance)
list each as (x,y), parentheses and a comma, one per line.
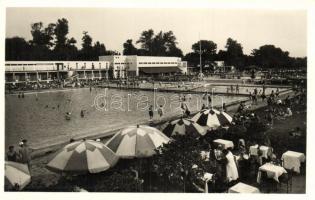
(25,153)
(160,111)
(277,93)
(237,89)
(209,100)
(151,112)
(11,154)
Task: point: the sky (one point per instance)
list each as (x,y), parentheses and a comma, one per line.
(253,28)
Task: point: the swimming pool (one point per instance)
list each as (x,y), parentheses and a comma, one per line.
(43,122)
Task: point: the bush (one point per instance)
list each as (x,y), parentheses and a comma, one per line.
(123,181)
(173,162)
(237,132)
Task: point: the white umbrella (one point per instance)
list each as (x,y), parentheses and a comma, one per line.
(16,174)
(87,156)
(136,141)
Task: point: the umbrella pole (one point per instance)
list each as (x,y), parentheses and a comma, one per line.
(149,170)
(140,170)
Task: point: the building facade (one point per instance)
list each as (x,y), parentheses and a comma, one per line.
(47,71)
(108,67)
(132,65)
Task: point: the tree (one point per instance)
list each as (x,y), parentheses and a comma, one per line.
(269,56)
(161,44)
(234,53)
(86,41)
(129,48)
(111,52)
(174,51)
(70,51)
(192,58)
(208,52)
(169,40)
(61,30)
(142,52)
(65,48)
(17,48)
(86,53)
(98,49)
(221,55)
(207,47)
(299,62)
(43,47)
(146,40)
(42,41)
(170,44)
(42,36)
(158,45)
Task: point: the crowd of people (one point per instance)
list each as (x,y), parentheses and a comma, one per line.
(241,162)
(53,84)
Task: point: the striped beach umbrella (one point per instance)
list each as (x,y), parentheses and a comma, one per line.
(212,118)
(136,141)
(80,157)
(16,174)
(183,126)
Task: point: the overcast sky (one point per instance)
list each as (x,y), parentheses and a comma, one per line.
(113,26)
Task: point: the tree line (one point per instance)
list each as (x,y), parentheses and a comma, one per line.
(266,56)
(52,43)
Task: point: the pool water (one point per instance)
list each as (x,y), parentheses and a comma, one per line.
(40,117)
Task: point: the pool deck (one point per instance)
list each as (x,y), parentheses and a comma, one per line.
(191,89)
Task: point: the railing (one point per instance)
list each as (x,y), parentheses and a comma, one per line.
(26,68)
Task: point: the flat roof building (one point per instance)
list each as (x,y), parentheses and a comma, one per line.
(133,65)
(108,67)
(46,71)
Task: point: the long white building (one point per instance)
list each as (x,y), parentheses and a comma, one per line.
(107,67)
(46,71)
